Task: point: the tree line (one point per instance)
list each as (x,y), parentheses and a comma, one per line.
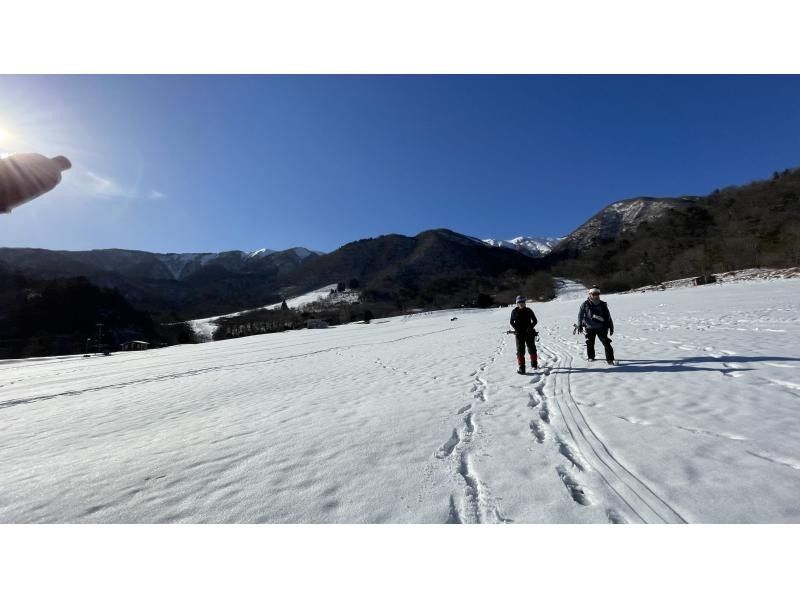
(752,226)
(61,317)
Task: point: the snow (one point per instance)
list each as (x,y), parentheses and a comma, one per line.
(569,289)
(260,253)
(204,328)
(726,278)
(303,300)
(423,419)
(532,246)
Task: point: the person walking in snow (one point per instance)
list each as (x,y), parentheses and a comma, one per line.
(594,320)
(523,322)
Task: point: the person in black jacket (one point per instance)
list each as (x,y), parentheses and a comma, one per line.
(595,319)
(523,321)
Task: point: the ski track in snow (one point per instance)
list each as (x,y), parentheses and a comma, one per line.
(423,419)
(645,505)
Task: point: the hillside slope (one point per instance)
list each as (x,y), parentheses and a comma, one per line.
(642,242)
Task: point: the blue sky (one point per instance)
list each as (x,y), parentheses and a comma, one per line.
(211,163)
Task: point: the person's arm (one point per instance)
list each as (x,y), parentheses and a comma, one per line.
(513,320)
(610,322)
(580,317)
(534,321)
(26,176)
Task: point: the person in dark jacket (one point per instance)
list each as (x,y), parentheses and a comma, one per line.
(523,322)
(594,320)
(26,176)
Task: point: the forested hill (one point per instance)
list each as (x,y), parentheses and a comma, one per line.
(58,317)
(754,225)
(436,268)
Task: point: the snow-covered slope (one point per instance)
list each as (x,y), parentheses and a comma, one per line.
(204,327)
(734,276)
(567,290)
(532,246)
(423,419)
(263,252)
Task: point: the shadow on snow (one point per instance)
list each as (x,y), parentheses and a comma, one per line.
(679,365)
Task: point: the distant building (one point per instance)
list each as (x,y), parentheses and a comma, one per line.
(705,279)
(314,323)
(135,346)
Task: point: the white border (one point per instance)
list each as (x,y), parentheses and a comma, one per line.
(414,36)
(442,36)
(397,560)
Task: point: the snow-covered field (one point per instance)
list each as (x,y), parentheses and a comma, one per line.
(424,419)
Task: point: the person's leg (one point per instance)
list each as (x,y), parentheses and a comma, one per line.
(590,334)
(606,345)
(531,342)
(520,352)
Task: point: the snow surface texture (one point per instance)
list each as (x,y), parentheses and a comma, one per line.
(569,289)
(204,328)
(423,419)
(532,246)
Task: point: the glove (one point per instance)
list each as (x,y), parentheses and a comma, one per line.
(580,329)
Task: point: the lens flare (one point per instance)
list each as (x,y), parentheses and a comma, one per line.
(5,137)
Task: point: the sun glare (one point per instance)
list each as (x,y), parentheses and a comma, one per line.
(5,135)
(6,139)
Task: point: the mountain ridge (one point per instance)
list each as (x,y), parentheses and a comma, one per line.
(531,246)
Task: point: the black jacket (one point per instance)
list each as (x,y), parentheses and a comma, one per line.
(523,320)
(595,316)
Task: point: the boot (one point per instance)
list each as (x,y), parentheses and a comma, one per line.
(521,364)
(534,361)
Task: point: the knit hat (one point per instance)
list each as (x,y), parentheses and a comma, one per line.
(521,299)
(594,290)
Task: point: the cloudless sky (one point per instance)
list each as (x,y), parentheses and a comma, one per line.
(212,163)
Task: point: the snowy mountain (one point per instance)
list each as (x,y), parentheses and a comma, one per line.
(617,218)
(181,265)
(422,419)
(186,284)
(530,246)
(44,263)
